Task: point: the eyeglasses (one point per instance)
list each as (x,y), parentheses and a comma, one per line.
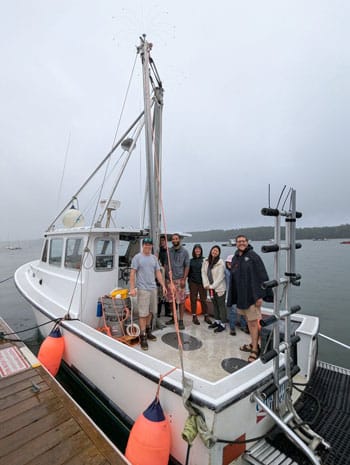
(239,242)
(147,240)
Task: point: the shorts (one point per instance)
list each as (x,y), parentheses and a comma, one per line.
(147,302)
(180,292)
(251,314)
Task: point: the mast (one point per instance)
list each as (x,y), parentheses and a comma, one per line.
(152,139)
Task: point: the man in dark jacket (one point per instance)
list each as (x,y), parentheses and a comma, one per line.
(247,275)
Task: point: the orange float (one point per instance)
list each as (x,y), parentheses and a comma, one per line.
(188,306)
(51,351)
(149,440)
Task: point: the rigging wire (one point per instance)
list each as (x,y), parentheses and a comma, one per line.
(63,170)
(288,195)
(99,193)
(124,101)
(280,196)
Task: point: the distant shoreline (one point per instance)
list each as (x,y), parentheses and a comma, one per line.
(265,233)
(261,233)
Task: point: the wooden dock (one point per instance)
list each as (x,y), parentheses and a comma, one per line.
(39,422)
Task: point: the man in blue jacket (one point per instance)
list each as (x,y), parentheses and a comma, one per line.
(247,275)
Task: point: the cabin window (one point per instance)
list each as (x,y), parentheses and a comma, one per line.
(44,253)
(104,254)
(74,251)
(56,247)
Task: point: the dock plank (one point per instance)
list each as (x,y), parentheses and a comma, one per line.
(32,430)
(28,416)
(35,400)
(40,423)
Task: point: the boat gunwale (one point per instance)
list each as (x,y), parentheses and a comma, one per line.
(174,385)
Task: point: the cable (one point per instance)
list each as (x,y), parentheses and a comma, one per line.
(7,279)
(188,454)
(56,320)
(280,196)
(319,407)
(243,441)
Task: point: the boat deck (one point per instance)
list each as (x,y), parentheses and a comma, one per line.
(206,354)
(40,423)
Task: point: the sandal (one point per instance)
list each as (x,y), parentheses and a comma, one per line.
(254,354)
(246,348)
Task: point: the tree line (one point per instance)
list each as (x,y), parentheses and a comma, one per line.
(264,233)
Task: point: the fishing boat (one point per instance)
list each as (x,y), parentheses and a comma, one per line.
(220,407)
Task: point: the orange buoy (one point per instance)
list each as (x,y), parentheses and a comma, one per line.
(188,306)
(149,440)
(51,351)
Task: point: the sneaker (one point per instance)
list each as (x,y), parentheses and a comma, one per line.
(143,342)
(245,330)
(181,324)
(219,329)
(213,325)
(208,320)
(150,336)
(170,322)
(232,332)
(195,320)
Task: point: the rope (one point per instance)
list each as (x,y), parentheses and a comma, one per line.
(132,329)
(56,320)
(161,379)
(334,340)
(7,279)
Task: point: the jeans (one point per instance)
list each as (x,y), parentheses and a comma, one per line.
(232,318)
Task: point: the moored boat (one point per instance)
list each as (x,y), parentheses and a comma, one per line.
(201,377)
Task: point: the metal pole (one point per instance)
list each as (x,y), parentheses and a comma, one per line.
(144,49)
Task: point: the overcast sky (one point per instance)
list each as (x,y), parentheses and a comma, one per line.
(256,93)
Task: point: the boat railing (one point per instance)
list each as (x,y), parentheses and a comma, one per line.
(335,341)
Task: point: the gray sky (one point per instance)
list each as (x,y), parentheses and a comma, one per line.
(256,92)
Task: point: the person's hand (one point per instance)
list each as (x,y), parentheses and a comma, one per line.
(164,290)
(182,283)
(132,292)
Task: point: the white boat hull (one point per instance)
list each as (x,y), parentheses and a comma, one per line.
(128,378)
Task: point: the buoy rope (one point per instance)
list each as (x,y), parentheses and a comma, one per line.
(172,286)
(7,279)
(161,379)
(56,320)
(3,336)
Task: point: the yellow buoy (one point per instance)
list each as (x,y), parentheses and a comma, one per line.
(119,293)
(51,351)
(149,440)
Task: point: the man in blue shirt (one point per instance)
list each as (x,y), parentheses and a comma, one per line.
(144,271)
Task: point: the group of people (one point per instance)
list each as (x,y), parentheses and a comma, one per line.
(234,286)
